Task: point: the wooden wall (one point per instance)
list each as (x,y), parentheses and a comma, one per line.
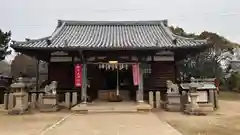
(63,73)
(161,72)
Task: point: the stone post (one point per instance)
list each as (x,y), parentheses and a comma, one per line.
(184,100)
(74,98)
(33,100)
(26,99)
(6,101)
(216,99)
(158,99)
(11,101)
(151,102)
(211,97)
(67,100)
(40,99)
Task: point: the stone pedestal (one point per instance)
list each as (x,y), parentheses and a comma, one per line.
(49,103)
(20,104)
(193,108)
(173,102)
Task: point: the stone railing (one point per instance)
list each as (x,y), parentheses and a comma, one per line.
(33,99)
(158,100)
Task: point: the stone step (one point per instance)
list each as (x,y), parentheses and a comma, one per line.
(111,109)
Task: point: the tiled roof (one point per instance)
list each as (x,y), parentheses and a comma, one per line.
(111,35)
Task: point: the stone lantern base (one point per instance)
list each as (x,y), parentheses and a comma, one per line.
(20,105)
(193,108)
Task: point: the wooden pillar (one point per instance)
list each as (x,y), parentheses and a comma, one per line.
(140,86)
(37,74)
(84,83)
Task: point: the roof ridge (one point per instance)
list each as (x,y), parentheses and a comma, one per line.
(57,29)
(189,38)
(92,22)
(32,40)
(167,30)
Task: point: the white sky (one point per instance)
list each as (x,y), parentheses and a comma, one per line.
(38,18)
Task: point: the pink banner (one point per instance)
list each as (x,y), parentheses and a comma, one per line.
(135,70)
(78,75)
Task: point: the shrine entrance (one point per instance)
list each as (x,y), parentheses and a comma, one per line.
(113,81)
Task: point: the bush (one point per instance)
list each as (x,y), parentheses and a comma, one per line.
(234,81)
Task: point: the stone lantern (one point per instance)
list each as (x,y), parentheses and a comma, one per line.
(193,108)
(20,94)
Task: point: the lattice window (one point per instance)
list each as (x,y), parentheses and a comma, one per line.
(147,70)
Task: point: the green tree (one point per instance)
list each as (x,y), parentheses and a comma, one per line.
(208,63)
(5,38)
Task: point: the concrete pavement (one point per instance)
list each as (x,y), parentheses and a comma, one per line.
(111,124)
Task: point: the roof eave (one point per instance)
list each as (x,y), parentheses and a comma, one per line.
(99,49)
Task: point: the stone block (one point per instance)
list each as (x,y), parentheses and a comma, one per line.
(20,107)
(151,102)
(216,99)
(173,102)
(74,98)
(40,99)
(158,99)
(6,101)
(173,99)
(26,99)
(184,100)
(211,97)
(33,100)
(49,103)
(11,101)
(68,100)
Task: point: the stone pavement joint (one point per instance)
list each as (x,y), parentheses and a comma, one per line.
(55,124)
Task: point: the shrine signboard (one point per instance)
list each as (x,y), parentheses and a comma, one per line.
(78,75)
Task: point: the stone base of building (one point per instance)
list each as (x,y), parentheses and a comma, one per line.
(112,107)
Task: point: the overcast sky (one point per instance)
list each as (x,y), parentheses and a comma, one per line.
(38,18)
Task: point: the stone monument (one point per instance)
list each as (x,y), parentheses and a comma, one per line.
(173,97)
(50,98)
(20,95)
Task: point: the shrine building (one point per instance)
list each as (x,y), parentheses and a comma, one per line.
(128,58)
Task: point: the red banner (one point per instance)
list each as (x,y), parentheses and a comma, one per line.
(135,70)
(78,75)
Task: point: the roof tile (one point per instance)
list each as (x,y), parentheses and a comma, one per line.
(111,35)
